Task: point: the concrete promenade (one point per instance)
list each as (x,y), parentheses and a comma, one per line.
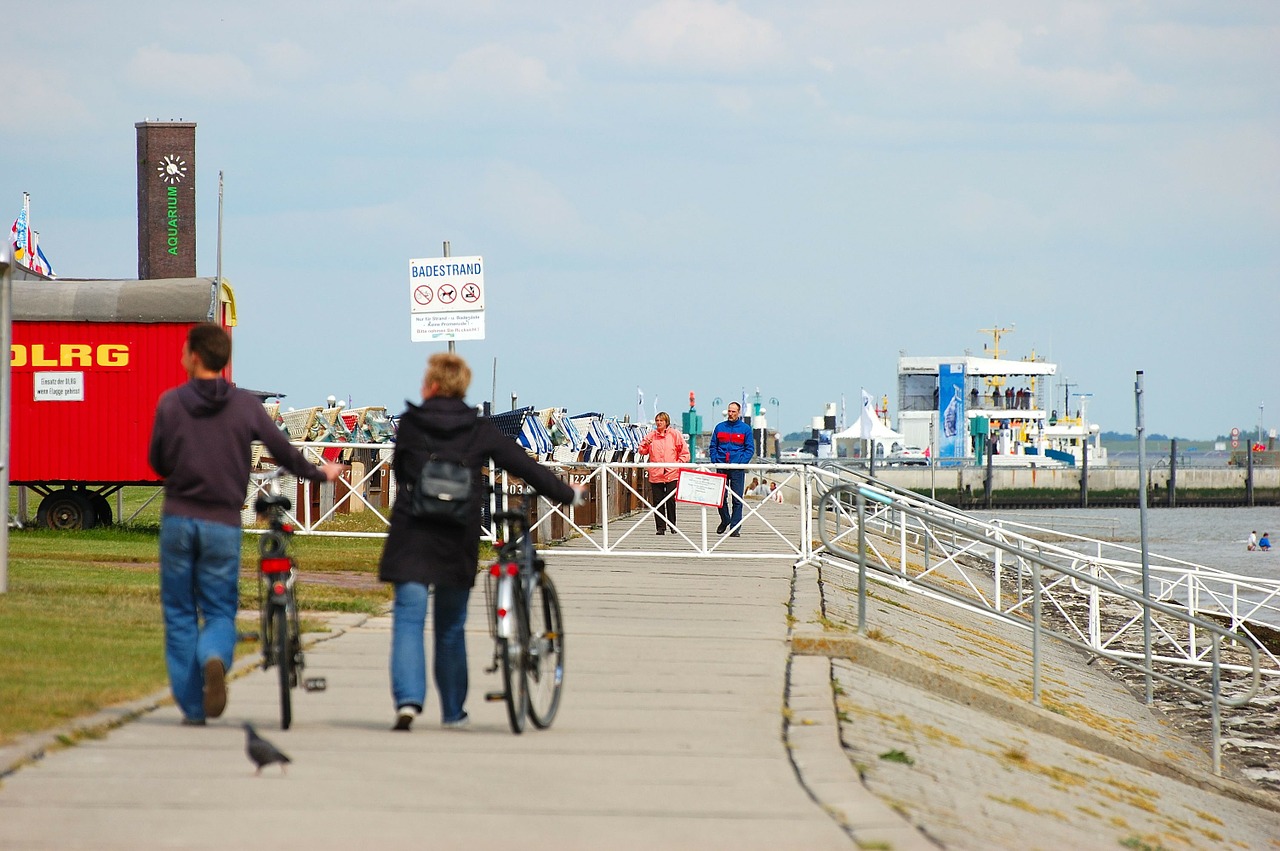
(687,722)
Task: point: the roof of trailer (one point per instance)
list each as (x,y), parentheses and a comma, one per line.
(156,300)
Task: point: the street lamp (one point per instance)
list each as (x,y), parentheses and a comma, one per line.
(1261,405)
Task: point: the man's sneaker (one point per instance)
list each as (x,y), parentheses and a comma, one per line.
(720,529)
(458,724)
(404,718)
(215,688)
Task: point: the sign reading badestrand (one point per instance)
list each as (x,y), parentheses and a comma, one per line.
(446,299)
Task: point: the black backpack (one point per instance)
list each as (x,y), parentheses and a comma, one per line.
(443,491)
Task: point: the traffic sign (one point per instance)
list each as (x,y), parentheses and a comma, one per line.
(435,284)
(446,298)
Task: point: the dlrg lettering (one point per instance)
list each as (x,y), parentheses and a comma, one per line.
(68,354)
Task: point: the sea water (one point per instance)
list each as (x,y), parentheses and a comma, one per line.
(1211,537)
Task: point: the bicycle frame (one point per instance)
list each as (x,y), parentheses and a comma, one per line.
(280,628)
(526,627)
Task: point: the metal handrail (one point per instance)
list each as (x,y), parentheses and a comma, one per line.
(861,493)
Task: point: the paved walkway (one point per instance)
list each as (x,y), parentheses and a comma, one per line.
(686,723)
(669,736)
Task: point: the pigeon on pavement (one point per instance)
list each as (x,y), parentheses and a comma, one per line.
(261,751)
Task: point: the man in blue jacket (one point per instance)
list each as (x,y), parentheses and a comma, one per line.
(732,443)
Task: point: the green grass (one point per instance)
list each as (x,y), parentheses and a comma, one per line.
(80,626)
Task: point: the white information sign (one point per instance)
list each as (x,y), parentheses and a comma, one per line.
(446,298)
(59,386)
(701,488)
(428,327)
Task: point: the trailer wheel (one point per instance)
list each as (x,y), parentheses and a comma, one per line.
(66,509)
(101,509)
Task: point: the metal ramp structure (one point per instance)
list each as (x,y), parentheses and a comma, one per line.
(1186,628)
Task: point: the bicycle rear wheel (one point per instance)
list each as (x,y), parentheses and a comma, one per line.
(512,652)
(545,660)
(284,662)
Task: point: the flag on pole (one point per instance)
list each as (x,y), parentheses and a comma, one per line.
(866,422)
(639,404)
(20,233)
(39,263)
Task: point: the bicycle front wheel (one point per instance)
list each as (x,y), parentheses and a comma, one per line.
(512,651)
(544,666)
(284,662)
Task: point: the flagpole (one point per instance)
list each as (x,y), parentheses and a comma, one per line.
(217,285)
(6,337)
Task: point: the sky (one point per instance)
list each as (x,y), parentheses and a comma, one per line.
(693,196)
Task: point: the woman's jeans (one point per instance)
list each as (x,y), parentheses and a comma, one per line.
(200,593)
(408,647)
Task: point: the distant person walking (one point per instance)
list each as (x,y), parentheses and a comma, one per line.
(664,445)
(1264,543)
(201,444)
(422,553)
(732,443)
(1253,540)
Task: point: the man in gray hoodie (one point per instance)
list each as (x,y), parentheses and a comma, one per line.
(201,444)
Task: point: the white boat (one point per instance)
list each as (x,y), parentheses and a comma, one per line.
(965,406)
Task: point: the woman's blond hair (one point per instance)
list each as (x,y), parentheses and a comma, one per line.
(449,373)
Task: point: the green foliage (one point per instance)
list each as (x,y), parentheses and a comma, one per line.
(896,755)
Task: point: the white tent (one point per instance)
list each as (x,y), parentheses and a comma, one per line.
(869,427)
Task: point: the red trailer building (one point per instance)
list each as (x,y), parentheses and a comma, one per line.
(89,359)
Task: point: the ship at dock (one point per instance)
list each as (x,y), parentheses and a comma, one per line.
(972,409)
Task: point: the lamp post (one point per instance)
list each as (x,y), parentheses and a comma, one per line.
(1261,405)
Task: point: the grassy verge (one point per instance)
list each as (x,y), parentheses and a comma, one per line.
(80,626)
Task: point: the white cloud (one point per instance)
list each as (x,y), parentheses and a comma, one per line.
(529,206)
(493,70)
(41,102)
(287,59)
(991,46)
(699,34)
(214,75)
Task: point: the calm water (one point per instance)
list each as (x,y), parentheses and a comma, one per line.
(1213,537)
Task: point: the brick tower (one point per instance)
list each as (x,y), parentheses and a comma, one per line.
(166,199)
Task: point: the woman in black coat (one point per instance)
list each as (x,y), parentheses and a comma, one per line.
(424,553)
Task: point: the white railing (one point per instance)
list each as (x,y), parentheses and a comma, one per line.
(991,560)
(856,512)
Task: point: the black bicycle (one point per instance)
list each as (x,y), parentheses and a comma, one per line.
(527,630)
(280,630)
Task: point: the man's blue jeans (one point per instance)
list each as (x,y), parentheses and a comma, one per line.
(200,593)
(408,647)
(731,508)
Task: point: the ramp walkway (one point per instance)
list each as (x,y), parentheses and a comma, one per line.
(709,703)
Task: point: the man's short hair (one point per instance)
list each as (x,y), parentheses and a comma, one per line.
(449,373)
(736,405)
(211,343)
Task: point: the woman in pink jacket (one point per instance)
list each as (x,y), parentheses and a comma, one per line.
(664,445)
